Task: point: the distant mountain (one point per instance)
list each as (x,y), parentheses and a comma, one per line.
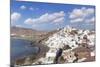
(32,34)
(25,31)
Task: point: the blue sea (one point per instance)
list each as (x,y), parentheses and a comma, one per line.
(21,48)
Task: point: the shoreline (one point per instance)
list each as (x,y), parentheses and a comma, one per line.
(28,60)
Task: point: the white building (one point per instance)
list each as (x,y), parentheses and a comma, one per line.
(62,38)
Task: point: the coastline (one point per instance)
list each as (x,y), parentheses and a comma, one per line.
(28,60)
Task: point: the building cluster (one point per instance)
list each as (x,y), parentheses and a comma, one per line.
(77,46)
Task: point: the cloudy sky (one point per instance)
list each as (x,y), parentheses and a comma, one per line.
(47,16)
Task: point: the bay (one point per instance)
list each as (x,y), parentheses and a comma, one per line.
(21,48)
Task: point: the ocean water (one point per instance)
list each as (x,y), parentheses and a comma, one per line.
(21,48)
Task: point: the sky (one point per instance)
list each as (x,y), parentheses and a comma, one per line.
(51,16)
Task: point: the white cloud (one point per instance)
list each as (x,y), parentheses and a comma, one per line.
(55,18)
(77,20)
(83,12)
(82,15)
(28,21)
(59,20)
(76,13)
(15,16)
(91,20)
(31,8)
(23,7)
(90,11)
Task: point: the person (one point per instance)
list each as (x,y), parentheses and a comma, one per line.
(58,54)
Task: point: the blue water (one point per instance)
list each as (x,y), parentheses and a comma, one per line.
(21,48)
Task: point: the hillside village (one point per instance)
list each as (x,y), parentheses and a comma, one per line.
(69,45)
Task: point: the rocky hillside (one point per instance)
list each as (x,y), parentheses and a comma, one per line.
(77,46)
